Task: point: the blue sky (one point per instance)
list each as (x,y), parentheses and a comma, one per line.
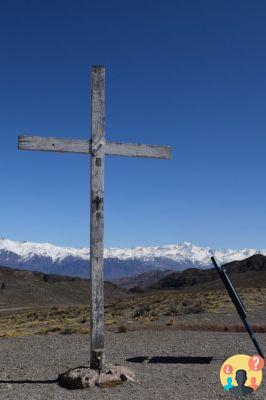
(191,74)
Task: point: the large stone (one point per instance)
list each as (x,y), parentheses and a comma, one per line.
(78,378)
(115,375)
(85,377)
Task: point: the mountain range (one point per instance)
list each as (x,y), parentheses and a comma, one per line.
(250,272)
(124,262)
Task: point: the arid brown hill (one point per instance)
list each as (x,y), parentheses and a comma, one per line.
(19,288)
(253,263)
(187,278)
(138,282)
(250,272)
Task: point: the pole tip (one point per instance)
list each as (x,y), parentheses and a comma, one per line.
(97,67)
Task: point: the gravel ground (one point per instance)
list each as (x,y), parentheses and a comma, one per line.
(30,365)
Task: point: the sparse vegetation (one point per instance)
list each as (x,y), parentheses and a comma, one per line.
(121,329)
(43,331)
(142,311)
(67,330)
(196,307)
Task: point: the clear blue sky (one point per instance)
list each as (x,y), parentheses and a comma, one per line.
(191,74)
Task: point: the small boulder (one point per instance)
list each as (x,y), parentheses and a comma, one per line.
(78,378)
(115,375)
(125,373)
(108,380)
(85,377)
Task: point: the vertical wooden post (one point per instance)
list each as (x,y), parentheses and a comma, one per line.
(97,148)
(97,215)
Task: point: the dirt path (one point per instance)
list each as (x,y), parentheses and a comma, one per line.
(49,306)
(168,365)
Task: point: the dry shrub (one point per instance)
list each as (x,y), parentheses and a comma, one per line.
(121,329)
(142,311)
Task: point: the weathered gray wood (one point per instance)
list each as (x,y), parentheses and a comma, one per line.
(97,147)
(97,216)
(41,143)
(84,147)
(138,150)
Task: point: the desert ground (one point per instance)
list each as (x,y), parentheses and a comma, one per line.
(174,335)
(160,310)
(169,365)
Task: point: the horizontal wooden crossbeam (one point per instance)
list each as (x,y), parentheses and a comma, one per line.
(138,150)
(39,143)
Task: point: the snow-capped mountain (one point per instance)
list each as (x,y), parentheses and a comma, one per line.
(49,258)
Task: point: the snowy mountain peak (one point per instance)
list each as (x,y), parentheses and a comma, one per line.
(49,258)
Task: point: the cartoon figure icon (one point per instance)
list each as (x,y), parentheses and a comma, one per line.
(253,383)
(229,384)
(241,374)
(241,378)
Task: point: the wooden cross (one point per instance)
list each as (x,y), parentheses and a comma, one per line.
(97,147)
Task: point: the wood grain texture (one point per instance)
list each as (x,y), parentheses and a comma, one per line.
(97,147)
(40,143)
(138,150)
(97,216)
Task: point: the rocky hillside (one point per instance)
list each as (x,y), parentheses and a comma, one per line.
(20,288)
(250,272)
(142,281)
(255,263)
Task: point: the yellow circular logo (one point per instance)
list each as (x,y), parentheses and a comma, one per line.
(242,374)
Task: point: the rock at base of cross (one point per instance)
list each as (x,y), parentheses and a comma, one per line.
(85,377)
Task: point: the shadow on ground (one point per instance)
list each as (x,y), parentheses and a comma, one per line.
(27,381)
(171,360)
(137,360)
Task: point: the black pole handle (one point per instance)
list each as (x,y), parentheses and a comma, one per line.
(238,304)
